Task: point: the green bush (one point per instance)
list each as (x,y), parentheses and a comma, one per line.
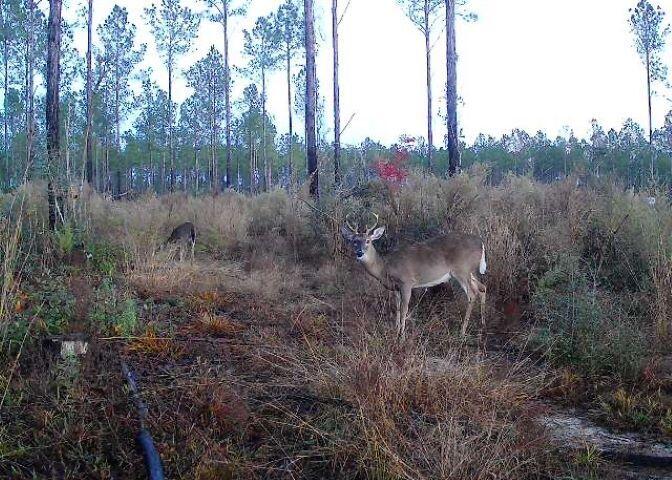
(113,313)
(105,257)
(65,239)
(583,330)
(126,321)
(53,304)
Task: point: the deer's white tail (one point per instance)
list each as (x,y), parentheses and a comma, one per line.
(483,266)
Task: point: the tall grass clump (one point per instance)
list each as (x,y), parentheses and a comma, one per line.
(416,416)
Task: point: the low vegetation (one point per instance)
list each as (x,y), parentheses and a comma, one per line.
(272,354)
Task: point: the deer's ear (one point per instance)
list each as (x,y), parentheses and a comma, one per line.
(377,233)
(347,233)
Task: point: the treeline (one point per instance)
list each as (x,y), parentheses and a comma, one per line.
(121,132)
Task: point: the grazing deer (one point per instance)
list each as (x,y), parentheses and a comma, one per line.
(184,234)
(425,264)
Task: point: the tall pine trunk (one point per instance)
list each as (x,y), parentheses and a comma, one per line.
(30,79)
(214,183)
(150,178)
(311,97)
(196,167)
(52,110)
(5,103)
(227,92)
(337,96)
(88,158)
(451,91)
(170,125)
(430,133)
(290,153)
(264,158)
(253,184)
(648,93)
(117,132)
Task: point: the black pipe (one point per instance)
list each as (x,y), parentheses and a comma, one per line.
(151,456)
(149,453)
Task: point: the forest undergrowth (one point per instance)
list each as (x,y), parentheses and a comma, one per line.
(272,354)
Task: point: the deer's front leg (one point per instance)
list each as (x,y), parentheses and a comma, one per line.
(405,299)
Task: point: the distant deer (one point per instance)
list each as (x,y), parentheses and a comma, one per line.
(425,264)
(184,235)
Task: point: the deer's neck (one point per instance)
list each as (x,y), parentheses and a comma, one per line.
(375,266)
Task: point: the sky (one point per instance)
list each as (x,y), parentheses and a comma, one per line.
(530,64)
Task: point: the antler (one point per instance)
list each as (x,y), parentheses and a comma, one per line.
(347,222)
(375,224)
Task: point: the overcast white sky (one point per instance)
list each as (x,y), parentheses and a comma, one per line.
(530,64)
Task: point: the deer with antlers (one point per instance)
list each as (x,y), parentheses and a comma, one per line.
(422,265)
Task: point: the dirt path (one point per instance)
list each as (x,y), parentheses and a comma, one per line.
(633,455)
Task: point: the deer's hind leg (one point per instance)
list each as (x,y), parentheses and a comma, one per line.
(480,291)
(397,312)
(472,293)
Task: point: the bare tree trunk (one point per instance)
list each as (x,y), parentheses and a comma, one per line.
(227,92)
(252,173)
(52,113)
(30,78)
(290,153)
(170,126)
(117,121)
(238,178)
(213,158)
(451,91)
(5,103)
(150,179)
(430,133)
(88,158)
(264,157)
(211,133)
(108,178)
(67,125)
(337,96)
(196,167)
(163,171)
(648,92)
(311,97)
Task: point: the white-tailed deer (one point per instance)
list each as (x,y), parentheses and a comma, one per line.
(425,264)
(184,235)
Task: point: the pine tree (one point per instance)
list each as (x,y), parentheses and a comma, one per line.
(262,48)
(205,78)
(174,28)
(288,23)
(423,14)
(222,12)
(311,97)
(121,56)
(648,26)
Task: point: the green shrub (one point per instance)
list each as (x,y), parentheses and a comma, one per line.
(65,239)
(126,321)
(583,330)
(112,312)
(53,304)
(105,258)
